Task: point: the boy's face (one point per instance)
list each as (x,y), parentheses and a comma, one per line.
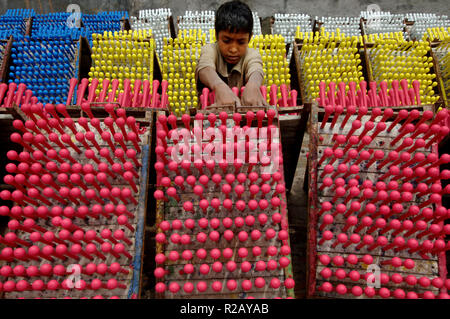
(233,46)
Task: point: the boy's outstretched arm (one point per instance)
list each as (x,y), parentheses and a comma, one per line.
(252,94)
(223,94)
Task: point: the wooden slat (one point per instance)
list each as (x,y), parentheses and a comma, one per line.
(292,130)
(5,61)
(84,59)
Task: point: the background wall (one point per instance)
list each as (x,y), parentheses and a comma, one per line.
(264,8)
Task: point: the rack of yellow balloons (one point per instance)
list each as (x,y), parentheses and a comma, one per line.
(436,34)
(122,55)
(273,53)
(180,56)
(329,57)
(391,57)
(441,49)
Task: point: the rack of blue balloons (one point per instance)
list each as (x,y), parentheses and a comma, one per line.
(45,66)
(66,24)
(53,32)
(53,24)
(13,22)
(47,59)
(104,21)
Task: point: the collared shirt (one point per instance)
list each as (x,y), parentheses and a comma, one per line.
(240,73)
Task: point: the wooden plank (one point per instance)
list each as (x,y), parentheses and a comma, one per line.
(316,26)
(282,110)
(84,59)
(440,80)
(141,114)
(296,73)
(288,272)
(362,26)
(442,101)
(292,130)
(173,32)
(157,74)
(312,205)
(125,24)
(6,61)
(135,289)
(367,67)
(14,113)
(29,26)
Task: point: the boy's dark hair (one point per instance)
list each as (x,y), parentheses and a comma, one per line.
(234,16)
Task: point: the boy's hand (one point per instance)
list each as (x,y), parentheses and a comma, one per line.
(224,95)
(252,95)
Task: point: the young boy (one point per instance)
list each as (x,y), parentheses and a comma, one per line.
(230,62)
